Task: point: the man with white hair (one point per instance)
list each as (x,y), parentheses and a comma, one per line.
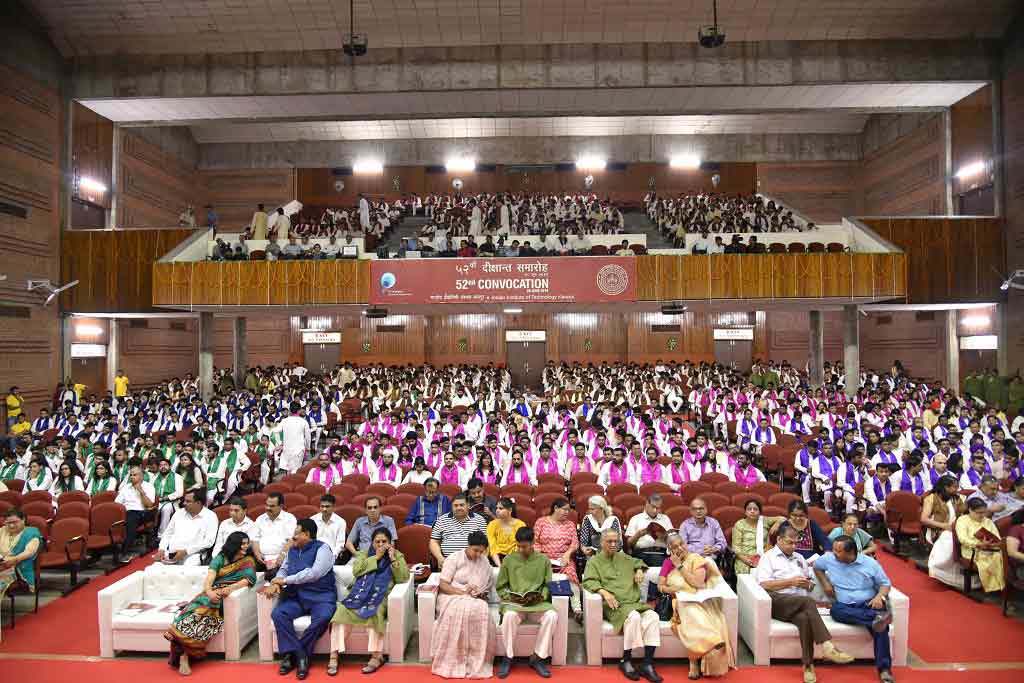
(616,577)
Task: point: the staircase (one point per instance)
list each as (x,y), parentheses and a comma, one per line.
(638,222)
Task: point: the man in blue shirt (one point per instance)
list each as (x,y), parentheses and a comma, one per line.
(305,582)
(428,507)
(362,531)
(859,587)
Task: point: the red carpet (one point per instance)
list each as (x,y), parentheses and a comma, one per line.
(216,671)
(947,627)
(34,633)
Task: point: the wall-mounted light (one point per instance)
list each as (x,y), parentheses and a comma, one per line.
(460,165)
(975,320)
(92,185)
(87,330)
(367,167)
(591,163)
(686,161)
(513,310)
(971,170)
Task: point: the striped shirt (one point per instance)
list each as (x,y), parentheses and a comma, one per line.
(452,534)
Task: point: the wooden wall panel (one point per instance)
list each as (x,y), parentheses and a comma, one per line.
(114,267)
(971,123)
(949,259)
(92,142)
(268,341)
(316,186)
(907,177)
(158,351)
(234,194)
(1012,92)
(823,191)
(155,187)
(30,148)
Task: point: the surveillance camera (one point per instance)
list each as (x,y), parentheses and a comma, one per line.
(356,45)
(710,36)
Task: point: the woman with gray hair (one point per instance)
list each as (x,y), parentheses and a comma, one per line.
(599,519)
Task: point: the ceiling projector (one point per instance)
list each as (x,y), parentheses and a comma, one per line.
(356,44)
(710,36)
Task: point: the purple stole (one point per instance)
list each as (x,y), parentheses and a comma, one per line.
(523,476)
(549,467)
(450,475)
(490,477)
(680,474)
(974,477)
(747,428)
(324,477)
(391,474)
(913,484)
(882,491)
(575,466)
(805,462)
(747,476)
(433,462)
(934,475)
(828,466)
(886,457)
(617,474)
(650,472)
(760,433)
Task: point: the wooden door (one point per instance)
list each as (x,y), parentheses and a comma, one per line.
(526,362)
(734,353)
(92,372)
(320,359)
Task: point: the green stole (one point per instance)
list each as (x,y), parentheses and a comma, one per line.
(121,471)
(212,481)
(8,471)
(102,485)
(164,485)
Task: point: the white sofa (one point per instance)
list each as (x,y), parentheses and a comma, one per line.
(602,641)
(399,629)
(527,636)
(772,639)
(161,586)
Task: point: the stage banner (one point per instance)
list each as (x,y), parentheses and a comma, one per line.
(566,279)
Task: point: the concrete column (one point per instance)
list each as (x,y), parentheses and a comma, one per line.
(851,348)
(113,217)
(952,353)
(816,361)
(1003,339)
(113,353)
(206,355)
(241,350)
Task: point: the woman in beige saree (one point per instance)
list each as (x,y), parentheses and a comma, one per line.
(465,637)
(701,626)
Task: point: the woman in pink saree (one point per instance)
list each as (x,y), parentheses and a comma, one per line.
(463,614)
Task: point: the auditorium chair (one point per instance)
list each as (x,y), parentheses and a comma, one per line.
(344,492)
(602,642)
(304,511)
(835,247)
(402,500)
(398,513)
(15,485)
(66,548)
(740,499)
(426,608)
(360,481)
(73,497)
(816,248)
(411,488)
(12,497)
(776,248)
(16,589)
(729,488)
(278,487)
(903,517)
(311,491)
(771,639)
(797,248)
(399,624)
(165,587)
(599,250)
(37,497)
(382,489)
(653,487)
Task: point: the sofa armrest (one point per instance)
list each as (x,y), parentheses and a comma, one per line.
(900,629)
(240,622)
(560,644)
(593,620)
(264,609)
(426,606)
(755,618)
(730,607)
(400,619)
(110,600)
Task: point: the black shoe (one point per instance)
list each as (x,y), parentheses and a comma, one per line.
(647,671)
(175,657)
(626,667)
(538,665)
(504,666)
(287,664)
(303,666)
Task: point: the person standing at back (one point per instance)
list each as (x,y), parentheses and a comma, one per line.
(295,440)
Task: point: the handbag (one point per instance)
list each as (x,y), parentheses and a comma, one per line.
(560,588)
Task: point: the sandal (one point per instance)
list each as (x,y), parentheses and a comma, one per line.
(372,665)
(332,665)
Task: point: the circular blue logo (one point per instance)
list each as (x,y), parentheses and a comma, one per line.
(388,280)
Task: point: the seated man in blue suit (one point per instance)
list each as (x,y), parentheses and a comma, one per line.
(305,583)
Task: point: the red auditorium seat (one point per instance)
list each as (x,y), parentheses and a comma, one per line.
(797,248)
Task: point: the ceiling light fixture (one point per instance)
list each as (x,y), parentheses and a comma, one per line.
(460,165)
(591,163)
(976,320)
(513,310)
(89,330)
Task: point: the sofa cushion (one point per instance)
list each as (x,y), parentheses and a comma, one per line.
(606,628)
(153,619)
(173,583)
(787,630)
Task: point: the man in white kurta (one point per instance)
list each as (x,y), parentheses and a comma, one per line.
(192,530)
(295,438)
(364,213)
